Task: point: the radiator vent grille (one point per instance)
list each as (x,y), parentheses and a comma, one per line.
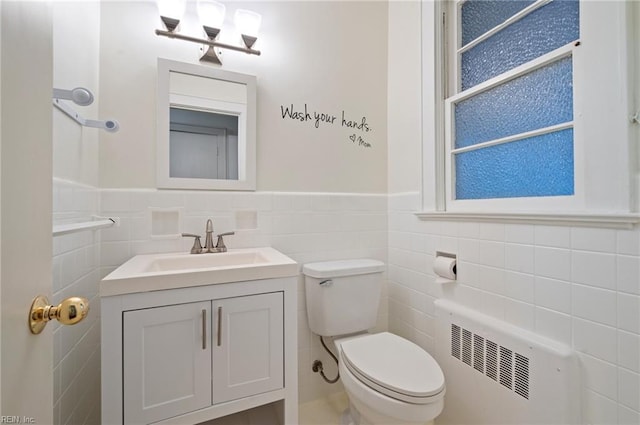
(492,360)
(506,367)
(499,363)
(455,341)
(521,383)
(478,353)
(466,346)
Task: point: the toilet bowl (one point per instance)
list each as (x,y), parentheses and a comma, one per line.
(388,379)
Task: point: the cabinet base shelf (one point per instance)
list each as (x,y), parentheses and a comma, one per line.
(228,408)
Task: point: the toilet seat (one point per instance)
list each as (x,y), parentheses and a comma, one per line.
(394,367)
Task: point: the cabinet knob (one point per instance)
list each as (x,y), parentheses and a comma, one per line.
(69,312)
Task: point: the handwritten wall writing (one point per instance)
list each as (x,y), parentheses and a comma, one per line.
(360,141)
(357,128)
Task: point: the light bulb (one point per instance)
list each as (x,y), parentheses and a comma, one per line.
(211,13)
(171,8)
(248,22)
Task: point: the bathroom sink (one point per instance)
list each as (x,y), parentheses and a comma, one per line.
(203,261)
(154,272)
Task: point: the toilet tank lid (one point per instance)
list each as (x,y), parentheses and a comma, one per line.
(326,269)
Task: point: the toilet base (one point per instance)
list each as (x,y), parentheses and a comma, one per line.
(345,418)
(351,416)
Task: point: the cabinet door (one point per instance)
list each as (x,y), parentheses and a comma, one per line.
(167,361)
(248,346)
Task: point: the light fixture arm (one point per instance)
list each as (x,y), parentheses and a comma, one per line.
(207,42)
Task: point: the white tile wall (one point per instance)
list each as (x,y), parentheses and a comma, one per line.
(76,272)
(580,286)
(577,285)
(305,226)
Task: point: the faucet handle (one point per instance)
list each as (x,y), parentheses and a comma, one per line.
(197,246)
(220,246)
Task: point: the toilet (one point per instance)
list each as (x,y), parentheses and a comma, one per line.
(388,379)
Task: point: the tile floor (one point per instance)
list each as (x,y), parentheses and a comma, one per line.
(325,411)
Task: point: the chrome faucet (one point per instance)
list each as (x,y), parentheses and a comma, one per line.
(208,243)
(220,246)
(197,247)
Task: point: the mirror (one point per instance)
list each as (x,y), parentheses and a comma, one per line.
(206,128)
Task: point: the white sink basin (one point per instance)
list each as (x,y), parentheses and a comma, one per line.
(203,261)
(156,272)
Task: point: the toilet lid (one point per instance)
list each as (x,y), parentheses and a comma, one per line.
(392,363)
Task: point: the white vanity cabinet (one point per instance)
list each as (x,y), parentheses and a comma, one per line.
(248,346)
(196,353)
(166,361)
(181,358)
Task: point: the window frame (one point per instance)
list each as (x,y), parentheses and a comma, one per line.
(544,202)
(606,193)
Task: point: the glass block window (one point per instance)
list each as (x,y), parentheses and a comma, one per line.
(541,31)
(535,166)
(510,108)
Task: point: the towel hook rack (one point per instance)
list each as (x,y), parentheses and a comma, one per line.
(83,97)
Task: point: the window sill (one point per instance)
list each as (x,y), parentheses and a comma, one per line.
(609,221)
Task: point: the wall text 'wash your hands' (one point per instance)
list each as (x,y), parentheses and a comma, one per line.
(319,118)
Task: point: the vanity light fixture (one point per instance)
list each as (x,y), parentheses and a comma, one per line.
(211,14)
(171,12)
(248,24)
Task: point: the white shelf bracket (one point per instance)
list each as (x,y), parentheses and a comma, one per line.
(85,98)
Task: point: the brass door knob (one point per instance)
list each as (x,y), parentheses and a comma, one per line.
(68,312)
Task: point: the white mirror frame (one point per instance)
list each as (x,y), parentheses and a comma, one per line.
(246,122)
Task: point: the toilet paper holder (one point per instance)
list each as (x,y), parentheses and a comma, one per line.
(445,267)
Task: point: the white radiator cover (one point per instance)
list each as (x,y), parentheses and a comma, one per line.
(497,373)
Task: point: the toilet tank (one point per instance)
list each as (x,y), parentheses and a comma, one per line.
(343,296)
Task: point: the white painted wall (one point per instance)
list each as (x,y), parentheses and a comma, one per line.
(330,55)
(404,111)
(76,44)
(576,285)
